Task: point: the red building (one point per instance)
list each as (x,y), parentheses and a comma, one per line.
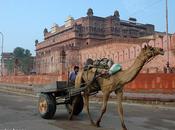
(94,37)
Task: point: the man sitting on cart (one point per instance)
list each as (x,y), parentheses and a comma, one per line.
(73,74)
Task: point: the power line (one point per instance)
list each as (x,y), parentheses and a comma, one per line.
(154,3)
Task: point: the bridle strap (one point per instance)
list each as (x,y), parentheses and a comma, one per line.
(147,60)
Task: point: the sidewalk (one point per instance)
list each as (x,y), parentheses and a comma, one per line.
(18,88)
(150,96)
(138,97)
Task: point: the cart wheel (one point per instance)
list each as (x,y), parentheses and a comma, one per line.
(47,106)
(78,105)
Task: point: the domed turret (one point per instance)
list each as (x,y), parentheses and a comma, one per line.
(90,12)
(45,31)
(54,28)
(69,21)
(36,42)
(69,18)
(116,13)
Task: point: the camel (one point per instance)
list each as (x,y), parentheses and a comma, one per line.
(114,83)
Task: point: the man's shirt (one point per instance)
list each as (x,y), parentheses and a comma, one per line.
(72,76)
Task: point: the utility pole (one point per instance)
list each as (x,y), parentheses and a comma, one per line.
(168,58)
(2,53)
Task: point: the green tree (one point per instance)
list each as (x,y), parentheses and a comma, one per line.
(10,65)
(22,59)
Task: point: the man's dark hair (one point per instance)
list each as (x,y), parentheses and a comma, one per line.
(76,67)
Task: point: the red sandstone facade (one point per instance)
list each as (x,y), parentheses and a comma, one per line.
(125,52)
(98,37)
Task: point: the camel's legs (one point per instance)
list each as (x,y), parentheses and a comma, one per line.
(86,104)
(103,108)
(73,107)
(120,109)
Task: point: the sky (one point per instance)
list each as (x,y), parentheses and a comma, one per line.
(23,21)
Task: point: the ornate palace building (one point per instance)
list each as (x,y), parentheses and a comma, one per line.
(93,37)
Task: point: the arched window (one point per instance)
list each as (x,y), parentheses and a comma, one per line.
(62,56)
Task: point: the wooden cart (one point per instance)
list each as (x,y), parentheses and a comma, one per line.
(59,93)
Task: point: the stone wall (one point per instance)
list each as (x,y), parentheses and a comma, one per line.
(144,83)
(32,79)
(152,83)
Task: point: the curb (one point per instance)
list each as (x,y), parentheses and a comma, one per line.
(17,89)
(18,93)
(28,90)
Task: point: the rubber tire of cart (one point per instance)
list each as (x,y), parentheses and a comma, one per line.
(78,105)
(51,106)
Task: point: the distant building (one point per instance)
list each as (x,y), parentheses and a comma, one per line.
(15,70)
(68,45)
(6,57)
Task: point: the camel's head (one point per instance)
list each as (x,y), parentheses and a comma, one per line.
(150,51)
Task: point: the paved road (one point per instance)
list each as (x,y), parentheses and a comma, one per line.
(20,113)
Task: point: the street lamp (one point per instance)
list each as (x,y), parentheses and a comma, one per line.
(2,53)
(167,40)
